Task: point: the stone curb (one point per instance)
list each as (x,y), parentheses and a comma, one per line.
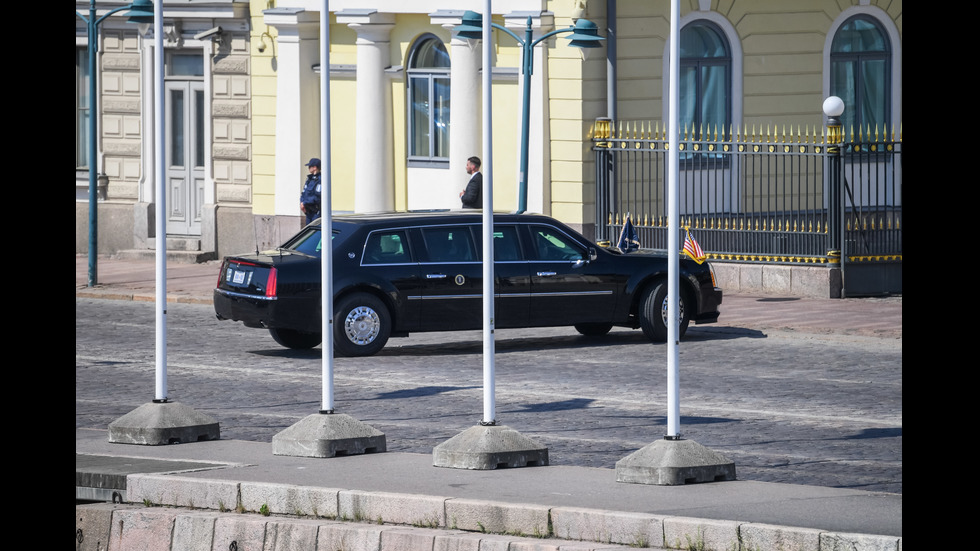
(415,520)
(109,293)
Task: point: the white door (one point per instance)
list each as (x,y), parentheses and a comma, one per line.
(186,154)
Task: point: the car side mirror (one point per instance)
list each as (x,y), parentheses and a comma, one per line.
(582,262)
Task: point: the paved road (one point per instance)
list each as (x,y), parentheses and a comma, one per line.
(786,406)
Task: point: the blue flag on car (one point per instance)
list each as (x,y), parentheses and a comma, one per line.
(628,239)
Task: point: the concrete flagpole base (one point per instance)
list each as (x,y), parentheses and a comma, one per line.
(674,462)
(328,435)
(159,423)
(489,447)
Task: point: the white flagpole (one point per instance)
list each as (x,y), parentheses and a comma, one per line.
(159,161)
(489,405)
(326,214)
(673,224)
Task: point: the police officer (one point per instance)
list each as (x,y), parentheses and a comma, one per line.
(309,200)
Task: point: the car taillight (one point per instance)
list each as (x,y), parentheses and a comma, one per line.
(221,274)
(270,284)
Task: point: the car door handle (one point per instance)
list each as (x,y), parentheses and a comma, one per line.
(435,276)
(545,274)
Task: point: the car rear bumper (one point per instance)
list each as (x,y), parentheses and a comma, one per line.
(250,310)
(297,313)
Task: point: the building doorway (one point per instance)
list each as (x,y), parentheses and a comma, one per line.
(186,148)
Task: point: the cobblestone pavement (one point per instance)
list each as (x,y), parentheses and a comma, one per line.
(785,405)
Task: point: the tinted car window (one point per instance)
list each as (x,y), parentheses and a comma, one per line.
(550,244)
(449,244)
(387,247)
(506,245)
(308,241)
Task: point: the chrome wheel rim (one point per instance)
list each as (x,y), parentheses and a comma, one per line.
(362,325)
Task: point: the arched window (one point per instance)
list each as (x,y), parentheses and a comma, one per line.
(860,73)
(705,78)
(428,102)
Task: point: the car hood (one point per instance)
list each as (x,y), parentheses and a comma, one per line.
(639,253)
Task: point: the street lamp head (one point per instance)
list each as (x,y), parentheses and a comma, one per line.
(585,34)
(141,12)
(833,106)
(472,26)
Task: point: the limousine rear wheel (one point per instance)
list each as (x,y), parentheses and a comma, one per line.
(362,325)
(296,340)
(653,313)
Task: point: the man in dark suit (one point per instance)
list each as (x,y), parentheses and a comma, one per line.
(471,196)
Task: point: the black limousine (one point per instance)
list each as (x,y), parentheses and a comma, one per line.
(398,273)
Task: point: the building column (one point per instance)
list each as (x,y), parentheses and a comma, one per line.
(539,135)
(374,188)
(466,99)
(297,102)
(144,228)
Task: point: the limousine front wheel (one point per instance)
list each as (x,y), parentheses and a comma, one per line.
(362,324)
(653,315)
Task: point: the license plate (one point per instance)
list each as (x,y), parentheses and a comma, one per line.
(238,278)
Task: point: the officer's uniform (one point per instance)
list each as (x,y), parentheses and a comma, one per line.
(310,198)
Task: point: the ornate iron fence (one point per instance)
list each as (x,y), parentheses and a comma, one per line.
(756,195)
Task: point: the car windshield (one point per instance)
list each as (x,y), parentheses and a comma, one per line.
(308,241)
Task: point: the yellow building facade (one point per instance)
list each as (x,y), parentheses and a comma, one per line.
(405,99)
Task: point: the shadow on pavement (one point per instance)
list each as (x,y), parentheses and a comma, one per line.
(529,344)
(421,391)
(288,353)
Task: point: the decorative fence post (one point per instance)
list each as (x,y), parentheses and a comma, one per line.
(604,177)
(833,107)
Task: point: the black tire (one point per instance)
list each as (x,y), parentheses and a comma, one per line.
(593,329)
(296,340)
(362,325)
(653,313)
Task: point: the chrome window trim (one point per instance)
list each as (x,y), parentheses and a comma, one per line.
(423,227)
